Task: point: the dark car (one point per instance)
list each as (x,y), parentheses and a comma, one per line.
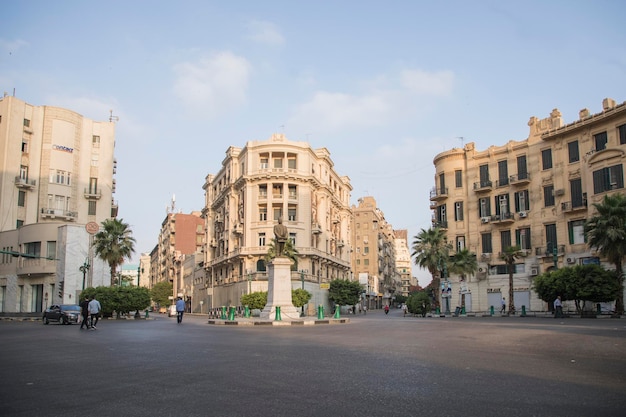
(63,313)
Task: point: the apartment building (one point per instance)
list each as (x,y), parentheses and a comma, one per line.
(255,186)
(403,260)
(56,177)
(373,255)
(535,193)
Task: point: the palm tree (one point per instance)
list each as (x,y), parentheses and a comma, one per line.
(463,263)
(509,256)
(606,232)
(431,251)
(114,243)
(289,251)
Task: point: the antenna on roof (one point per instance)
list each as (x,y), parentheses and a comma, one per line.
(113,118)
(462,139)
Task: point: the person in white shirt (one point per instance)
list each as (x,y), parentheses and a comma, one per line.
(94,312)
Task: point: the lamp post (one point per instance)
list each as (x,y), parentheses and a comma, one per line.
(302,279)
(249,282)
(84,268)
(139,271)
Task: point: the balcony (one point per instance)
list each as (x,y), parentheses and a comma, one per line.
(442,224)
(24,183)
(316,229)
(519,179)
(545,252)
(50,213)
(483,186)
(433,205)
(503,218)
(574,206)
(502,182)
(92,194)
(439,193)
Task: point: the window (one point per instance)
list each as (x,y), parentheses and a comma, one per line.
(460,243)
(551,240)
(484,176)
(546,158)
(442,183)
(502,204)
(484,207)
(60,177)
(366,249)
(486,242)
(621,132)
(366,262)
(610,178)
(293,194)
(263,213)
(278,163)
(458,211)
(91,209)
(292,238)
(576,231)
(51,249)
(19,224)
(291,214)
(24,146)
(262,239)
(505,240)
(278,212)
(93,185)
(32,248)
(522,238)
(26,123)
(277,191)
(458,178)
(291,162)
(95,141)
(263,191)
(576,191)
(503,173)
(21,198)
(522,172)
(548,196)
(264,163)
(441,215)
(572,148)
(600,140)
(522,202)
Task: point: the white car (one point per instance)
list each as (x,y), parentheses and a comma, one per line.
(171,310)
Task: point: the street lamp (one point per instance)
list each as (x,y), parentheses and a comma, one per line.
(302,271)
(84,268)
(139,271)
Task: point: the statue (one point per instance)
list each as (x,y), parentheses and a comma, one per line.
(281,235)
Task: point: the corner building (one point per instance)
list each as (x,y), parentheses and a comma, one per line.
(56,175)
(535,193)
(254,187)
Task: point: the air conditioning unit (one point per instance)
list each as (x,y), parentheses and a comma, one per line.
(482,270)
(484,219)
(571,260)
(486,255)
(534,271)
(213,243)
(558,193)
(523,214)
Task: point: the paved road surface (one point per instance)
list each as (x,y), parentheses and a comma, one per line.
(377,365)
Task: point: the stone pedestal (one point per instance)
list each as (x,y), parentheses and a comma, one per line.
(279,290)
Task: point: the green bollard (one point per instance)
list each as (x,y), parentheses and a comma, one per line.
(231,313)
(246,312)
(491,310)
(320,312)
(337,312)
(147,314)
(437,311)
(598,309)
(523,311)
(223,315)
(462,309)
(278,318)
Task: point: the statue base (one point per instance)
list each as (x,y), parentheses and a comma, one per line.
(279,291)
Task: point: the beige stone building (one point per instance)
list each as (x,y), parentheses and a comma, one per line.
(255,186)
(535,193)
(56,176)
(373,255)
(403,260)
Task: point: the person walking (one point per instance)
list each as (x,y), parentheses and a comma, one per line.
(94,311)
(180,309)
(84,306)
(558,308)
(503,309)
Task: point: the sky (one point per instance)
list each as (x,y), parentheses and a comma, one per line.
(383,85)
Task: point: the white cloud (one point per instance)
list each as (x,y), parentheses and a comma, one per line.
(213,85)
(385,98)
(12,46)
(266,33)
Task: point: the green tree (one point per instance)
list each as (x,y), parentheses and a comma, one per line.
(255,300)
(580,283)
(114,243)
(289,251)
(431,251)
(418,303)
(344,292)
(400,299)
(161,293)
(121,300)
(300,297)
(509,256)
(606,232)
(463,263)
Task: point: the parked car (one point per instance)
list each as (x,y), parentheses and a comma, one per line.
(62,313)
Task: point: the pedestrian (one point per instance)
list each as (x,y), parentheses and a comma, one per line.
(503,309)
(364,309)
(94,311)
(84,306)
(180,309)
(386,309)
(404,308)
(558,308)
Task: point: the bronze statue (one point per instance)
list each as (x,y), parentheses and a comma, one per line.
(281,234)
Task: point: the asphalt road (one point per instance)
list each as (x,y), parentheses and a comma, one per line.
(377,365)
